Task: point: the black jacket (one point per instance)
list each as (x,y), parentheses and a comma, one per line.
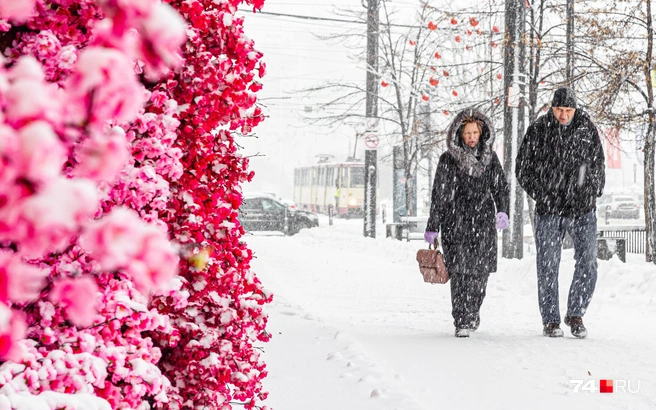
(562,168)
(463,202)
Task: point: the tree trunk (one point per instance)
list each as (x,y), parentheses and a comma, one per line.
(650,200)
(513,129)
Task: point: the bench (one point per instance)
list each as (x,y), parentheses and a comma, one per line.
(394,230)
(414,227)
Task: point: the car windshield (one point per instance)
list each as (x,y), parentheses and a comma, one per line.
(268,205)
(252,203)
(624,199)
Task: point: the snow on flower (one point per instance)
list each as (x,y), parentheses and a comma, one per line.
(29,97)
(50,218)
(41,154)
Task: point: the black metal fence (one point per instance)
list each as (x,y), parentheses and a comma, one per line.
(635,236)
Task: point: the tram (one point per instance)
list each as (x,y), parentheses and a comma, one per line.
(339,185)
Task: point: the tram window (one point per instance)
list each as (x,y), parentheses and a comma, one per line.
(357,177)
(305,178)
(344,183)
(330,179)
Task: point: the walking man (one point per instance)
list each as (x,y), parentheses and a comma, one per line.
(560,165)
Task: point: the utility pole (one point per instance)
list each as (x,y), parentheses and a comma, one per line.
(513,122)
(371,111)
(569,45)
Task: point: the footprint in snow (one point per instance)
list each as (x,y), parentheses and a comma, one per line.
(288,313)
(334,356)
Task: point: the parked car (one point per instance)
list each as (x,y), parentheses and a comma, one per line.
(618,206)
(260,212)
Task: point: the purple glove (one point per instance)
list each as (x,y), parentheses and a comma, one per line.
(430,237)
(502,220)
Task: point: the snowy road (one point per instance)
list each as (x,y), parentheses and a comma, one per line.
(355,327)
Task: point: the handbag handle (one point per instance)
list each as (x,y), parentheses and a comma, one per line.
(434,245)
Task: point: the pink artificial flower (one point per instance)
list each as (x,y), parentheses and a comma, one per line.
(101,158)
(17,10)
(125,13)
(157,264)
(42,155)
(121,240)
(19,281)
(114,239)
(12,329)
(103,87)
(47,44)
(67,56)
(163,32)
(77,296)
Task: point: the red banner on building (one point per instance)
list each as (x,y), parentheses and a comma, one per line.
(613,152)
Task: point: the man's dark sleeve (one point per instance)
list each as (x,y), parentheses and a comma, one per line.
(598,165)
(437,197)
(525,163)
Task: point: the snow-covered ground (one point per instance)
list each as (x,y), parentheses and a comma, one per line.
(354,327)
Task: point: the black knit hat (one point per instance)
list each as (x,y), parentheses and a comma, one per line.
(564,97)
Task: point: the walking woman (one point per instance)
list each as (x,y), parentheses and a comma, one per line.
(470,198)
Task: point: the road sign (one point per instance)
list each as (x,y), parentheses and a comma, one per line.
(371,141)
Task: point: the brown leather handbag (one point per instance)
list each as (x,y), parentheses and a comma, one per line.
(431,264)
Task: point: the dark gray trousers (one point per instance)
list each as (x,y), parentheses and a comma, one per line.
(467,294)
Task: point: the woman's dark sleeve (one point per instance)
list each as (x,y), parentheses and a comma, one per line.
(500,189)
(442,179)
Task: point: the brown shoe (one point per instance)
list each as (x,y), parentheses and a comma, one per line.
(552,330)
(575,324)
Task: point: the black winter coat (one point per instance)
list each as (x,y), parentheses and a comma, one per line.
(562,168)
(463,203)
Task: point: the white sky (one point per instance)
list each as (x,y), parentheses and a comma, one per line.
(295,60)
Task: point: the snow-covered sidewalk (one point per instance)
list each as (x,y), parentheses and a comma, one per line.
(355,327)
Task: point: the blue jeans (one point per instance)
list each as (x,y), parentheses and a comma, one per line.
(549,233)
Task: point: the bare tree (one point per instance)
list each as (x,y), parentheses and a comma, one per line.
(439,64)
(620,45)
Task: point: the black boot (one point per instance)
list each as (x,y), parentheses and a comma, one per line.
(462,332)
(575,324)
(552,330)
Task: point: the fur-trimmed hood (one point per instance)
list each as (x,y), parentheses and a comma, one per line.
(467,161)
